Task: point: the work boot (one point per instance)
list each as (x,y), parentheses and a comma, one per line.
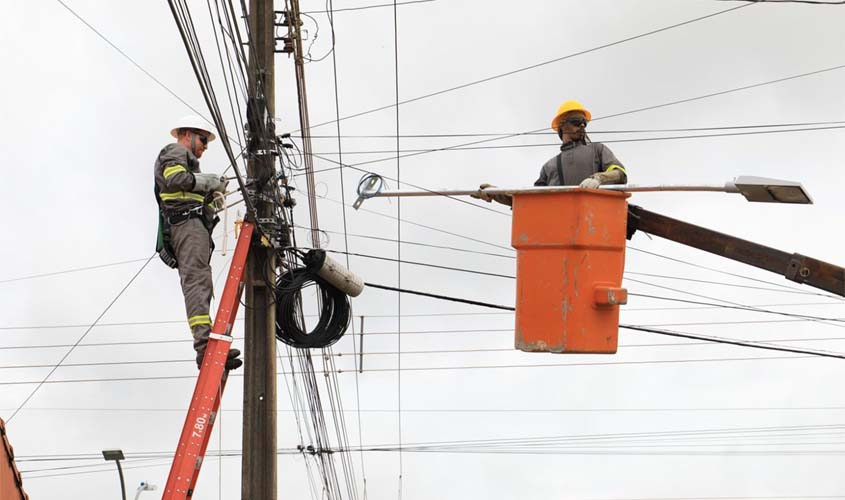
(232,361)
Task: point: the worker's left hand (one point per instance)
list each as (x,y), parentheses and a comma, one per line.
(218,201)
(590,183)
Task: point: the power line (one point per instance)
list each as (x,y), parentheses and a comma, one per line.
(128,58)
(431,228)
(75,270)
(533,66)
(446,331)
(592,132)
(741,343)
(414,243)
(364,7)
(499,275)
(812,2)
(81,338)
(726,409)
(720,271)
(398,249)
(611,141)
(739,307)
(723,92)
(341,166)
(439,314)
(346,234)
(431,369)
(644,328)
(632,111)
(634,327)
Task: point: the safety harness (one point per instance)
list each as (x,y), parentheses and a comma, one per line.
(168,218)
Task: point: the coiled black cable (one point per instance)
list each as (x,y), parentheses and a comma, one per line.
(335,311)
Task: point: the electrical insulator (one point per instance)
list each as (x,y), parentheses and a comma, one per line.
(334,272)
(288,48)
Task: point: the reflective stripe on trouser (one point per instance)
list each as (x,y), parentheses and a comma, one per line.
(192,245)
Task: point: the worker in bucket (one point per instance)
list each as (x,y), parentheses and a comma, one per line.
(187,216)
(580,162)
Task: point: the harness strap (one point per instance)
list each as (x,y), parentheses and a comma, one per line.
(560,169)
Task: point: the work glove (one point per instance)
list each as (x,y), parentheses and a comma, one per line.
(591,182)
(481,195)
(207,183)
(615,176)
(504,199)
(224,184)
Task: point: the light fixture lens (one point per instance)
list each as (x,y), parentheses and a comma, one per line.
(788,194)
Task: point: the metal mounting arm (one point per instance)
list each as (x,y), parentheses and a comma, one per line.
(795,267)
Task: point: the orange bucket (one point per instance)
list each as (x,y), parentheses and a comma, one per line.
(570,257)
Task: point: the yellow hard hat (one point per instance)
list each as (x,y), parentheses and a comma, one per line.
(566,107)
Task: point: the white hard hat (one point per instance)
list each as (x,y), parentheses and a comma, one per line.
(195,122)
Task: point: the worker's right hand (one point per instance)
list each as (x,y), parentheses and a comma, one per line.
(207,183)
(504,199)
(481,195)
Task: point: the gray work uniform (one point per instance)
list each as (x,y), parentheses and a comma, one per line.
(576,162)
(190,236)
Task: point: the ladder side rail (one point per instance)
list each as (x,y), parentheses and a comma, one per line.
(205,401)
(215,413)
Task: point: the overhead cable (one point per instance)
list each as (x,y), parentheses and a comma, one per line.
(365,7)
(592,132)
(81,338)
(632,327)
(632,111)
(537,65)
(609,141)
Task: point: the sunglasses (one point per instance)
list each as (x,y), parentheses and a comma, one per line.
(576,121)
(203,138)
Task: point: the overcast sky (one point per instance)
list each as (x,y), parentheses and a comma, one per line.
(82,126)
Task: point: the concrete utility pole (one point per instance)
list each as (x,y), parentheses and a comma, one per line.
(258,470)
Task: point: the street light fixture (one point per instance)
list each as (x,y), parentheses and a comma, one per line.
(117,456)
(762,189)
(757,189)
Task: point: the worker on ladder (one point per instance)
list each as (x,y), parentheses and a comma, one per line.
(580,162)
(187,216)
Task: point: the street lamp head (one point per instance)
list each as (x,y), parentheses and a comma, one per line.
(113,454)
(145,486)
(762,189)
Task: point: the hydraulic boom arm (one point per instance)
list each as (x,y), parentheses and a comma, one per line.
(795,267)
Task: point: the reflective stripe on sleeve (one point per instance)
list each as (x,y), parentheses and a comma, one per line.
(173,170)
(182,195)
(616,167)
(199,319)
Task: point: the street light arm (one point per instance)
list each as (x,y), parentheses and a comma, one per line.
(795,267)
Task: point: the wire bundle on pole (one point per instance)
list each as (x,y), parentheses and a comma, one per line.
(334,310)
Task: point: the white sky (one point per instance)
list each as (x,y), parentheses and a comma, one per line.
(82,127)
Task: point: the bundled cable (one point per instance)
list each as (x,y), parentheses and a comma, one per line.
(334,285)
